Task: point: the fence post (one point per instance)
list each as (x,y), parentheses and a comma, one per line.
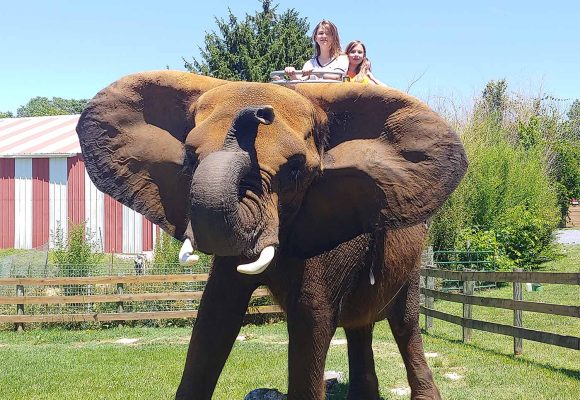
(19,307)
(120,309)
(518,296)
(429,301)
(468,289)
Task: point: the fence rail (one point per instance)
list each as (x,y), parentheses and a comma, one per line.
(116,284)
(517,331)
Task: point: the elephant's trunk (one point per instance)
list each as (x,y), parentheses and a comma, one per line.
(223,224)
(215,210)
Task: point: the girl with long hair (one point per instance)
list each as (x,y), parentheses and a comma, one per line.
(359,66)
(328,56)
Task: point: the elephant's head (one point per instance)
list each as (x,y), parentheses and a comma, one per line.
(240,167)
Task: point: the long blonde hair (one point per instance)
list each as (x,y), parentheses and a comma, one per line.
(335,48)
(365,66)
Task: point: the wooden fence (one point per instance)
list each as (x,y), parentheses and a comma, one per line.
(468,299)
(21,300)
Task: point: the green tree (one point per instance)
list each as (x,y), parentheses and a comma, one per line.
(6,114)
(494,101)
(42,106)
(574,111)
(251,48)
(573,128)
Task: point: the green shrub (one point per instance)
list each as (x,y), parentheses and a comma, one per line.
(508,201)
(166,251)
(77,253)
(484,240)
(527,236)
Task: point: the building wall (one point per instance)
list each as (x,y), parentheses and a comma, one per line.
(23,203)
(58,196)
(38,195)
(40,201)
(6,202)
(94,209)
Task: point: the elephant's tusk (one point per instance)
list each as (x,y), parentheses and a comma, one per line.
(185,253)
(260,264)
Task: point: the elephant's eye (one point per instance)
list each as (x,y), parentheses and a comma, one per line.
(292,173)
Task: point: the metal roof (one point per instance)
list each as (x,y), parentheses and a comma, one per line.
(39,136)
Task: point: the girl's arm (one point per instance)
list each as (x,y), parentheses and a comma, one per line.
(373,79)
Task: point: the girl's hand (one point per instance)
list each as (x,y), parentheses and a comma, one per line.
(291,72)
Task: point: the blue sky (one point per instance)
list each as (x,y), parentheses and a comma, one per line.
(72,49)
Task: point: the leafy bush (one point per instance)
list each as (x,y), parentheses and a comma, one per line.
(166,251)
(76,253)
(508,200)
(477,241)
(526,236)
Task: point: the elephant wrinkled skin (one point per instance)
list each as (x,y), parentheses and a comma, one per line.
(337,178)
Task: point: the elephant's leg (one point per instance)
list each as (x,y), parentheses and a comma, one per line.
(220,317)
(363,382)
(404,321)
(310,329)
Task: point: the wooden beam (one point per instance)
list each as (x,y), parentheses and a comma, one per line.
(110,298)
(508,304)
(104,280)
(570,342)
(565,278)
(102,317)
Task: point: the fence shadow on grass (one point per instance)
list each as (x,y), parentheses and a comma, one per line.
(571,373)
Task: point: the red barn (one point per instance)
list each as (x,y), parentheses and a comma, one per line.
(43,183)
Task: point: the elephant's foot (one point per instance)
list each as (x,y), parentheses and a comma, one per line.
(422,385)
(367,392)
(431,394)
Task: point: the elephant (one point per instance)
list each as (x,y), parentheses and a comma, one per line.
(319,191)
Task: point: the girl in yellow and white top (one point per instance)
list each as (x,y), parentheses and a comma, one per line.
(359,66)
(328,57)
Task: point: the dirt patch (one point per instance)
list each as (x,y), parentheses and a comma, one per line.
(127,341)
(453,376)
(401,391)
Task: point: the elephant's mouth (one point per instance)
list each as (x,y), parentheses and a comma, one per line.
(186,256)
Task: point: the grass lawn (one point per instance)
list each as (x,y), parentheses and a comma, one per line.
(60,364)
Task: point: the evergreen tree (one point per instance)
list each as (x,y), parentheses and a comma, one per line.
(251,48)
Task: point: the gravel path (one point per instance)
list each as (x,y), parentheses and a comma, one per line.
(568,236)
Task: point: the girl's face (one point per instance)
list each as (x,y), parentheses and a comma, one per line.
(323,36)
(356,55)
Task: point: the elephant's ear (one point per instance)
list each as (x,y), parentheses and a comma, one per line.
(390,162)
(132,137)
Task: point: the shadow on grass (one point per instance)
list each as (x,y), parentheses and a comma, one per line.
(339,392)
(564,371)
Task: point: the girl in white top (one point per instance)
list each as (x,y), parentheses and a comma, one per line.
(328,55)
